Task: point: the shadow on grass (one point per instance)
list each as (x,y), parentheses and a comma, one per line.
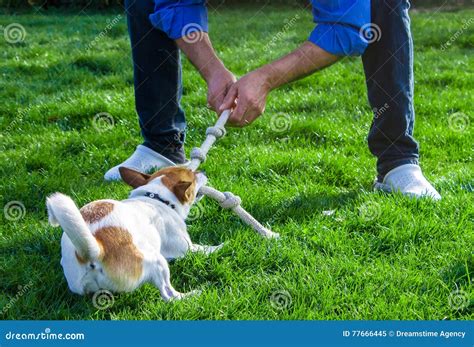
(300,207)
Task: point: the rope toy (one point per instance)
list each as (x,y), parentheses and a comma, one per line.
(226,200)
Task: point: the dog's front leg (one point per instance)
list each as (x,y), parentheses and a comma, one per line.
(161,279)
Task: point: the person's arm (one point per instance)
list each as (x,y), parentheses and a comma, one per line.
(249,94)
(304,61)
(185,22)
(341,30)
(204,58)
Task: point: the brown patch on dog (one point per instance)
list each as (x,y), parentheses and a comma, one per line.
(179,180)
(120,257)
(95,211)
(80,259)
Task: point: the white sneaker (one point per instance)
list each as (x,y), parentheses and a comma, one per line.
(143,159)
(409,180)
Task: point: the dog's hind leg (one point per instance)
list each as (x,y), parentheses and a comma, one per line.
(205,249)
(161,279)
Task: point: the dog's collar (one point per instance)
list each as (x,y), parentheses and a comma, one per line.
(159,198)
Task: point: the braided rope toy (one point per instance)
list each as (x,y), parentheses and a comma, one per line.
(226,200)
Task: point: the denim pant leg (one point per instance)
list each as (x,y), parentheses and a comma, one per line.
(157,81)
(388,66)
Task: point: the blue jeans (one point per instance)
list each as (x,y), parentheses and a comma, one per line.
(157,82)
(388,66)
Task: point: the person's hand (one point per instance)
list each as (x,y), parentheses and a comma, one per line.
(218,85)
(247,97)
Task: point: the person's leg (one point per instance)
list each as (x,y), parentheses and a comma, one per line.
(157,81)
(388,66)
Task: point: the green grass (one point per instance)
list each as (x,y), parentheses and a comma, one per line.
(376,257)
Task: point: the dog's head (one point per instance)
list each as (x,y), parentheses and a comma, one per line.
(178,184)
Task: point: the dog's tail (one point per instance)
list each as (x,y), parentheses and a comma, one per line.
(64,212)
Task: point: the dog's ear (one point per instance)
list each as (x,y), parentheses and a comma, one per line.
(184,191)
(133,178)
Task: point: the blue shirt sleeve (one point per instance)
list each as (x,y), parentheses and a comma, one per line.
(341,25)
(180,18)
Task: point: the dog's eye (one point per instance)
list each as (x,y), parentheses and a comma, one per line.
(92,265)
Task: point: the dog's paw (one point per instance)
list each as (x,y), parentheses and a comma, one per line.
(181,296)
(268,234)
(273,235)
(206,249)
(212,249)
(195,292)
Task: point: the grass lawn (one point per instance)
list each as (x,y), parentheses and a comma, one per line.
(374,257)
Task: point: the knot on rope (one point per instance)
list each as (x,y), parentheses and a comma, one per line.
(197,153)
(230,201)
(216,131)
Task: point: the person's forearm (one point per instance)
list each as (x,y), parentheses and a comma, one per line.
(202,55)
(305,60)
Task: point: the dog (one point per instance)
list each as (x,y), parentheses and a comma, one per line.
(120,245)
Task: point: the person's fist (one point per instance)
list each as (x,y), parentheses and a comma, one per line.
(217,88)
(247,97)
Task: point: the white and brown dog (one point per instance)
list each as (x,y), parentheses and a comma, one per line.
(119,245)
